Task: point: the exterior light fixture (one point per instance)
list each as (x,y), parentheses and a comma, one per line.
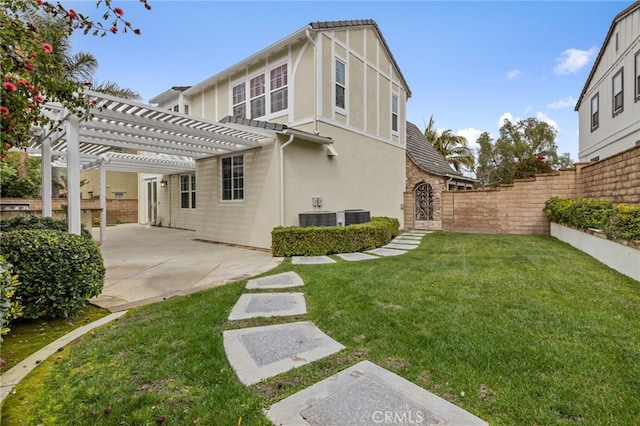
(163,183)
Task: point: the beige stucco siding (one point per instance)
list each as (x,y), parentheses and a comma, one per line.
(357,104)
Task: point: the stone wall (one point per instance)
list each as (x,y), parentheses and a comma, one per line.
(615,179)
(125,211)
(415,176)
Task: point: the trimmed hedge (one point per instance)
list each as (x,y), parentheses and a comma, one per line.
(620,221)
(324,240)
(58,271)
(10,308)
(31,221)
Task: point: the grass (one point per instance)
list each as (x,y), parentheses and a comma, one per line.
(515,329)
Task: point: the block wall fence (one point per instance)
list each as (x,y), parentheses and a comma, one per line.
(125,211)
(517,208)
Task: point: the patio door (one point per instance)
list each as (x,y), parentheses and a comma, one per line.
(152,201)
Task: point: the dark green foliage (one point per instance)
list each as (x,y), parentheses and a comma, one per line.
(9,307)
(58,271)
(323,240)
(14,184)
(616,220)
(30,221)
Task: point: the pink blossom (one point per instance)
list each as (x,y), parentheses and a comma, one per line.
(4,110)
(73,14)
(40,2)
(34,55)
(118,11)
(114,29)
(94,101)
(136,31)
(9,86)
(39,99)
(47,48)
(29,66)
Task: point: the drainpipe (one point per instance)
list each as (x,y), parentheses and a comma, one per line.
(315,82)
(282,147)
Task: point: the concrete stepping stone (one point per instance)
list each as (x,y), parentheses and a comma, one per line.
(353,257)
(410,237)
(256,353)
(268,305)
(386,252)
(405,241)
(400,246)
(284,280)
(311,260)
(366,394)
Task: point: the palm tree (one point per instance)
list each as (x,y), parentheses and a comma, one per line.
(453,148)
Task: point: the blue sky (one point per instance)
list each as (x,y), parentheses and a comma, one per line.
(469,64)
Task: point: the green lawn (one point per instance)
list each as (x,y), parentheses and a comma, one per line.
(515,329)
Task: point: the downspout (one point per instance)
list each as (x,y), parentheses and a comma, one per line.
(315,82)
(282,147)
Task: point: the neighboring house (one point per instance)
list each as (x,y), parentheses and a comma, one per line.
(428,174)
(609,105)
(335,100)
(119,185)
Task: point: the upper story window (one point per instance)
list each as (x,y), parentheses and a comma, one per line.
(188,191)
(595,116)
(233,178)
(256,93)
(341,83)
(394,113)
(278,87)
(186,109)
(618,92)
(176,108)
(637,74)
(239,98)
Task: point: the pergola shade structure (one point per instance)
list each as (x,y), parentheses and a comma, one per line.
(170,142)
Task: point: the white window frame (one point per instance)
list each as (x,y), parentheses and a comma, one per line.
(255,97)
(395,113)
(189,190)
(283,88)
(595,112)
(237,188)
(118,195)
(340,84)
(637,76)
(239,103)
(619,74)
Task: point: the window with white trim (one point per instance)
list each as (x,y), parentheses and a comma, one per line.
(238,98)
(118,195)
(233,178)
(394,113)
(341,83)
(595,108)
(637,74)
(618,92)
(256,93)
(278,86)
(188,191)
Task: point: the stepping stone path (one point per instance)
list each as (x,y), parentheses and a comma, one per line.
(363,394)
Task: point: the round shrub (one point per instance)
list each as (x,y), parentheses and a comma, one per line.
(30,221)
(10,308)
(58,271)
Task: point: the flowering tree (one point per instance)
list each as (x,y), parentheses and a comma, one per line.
(31,73)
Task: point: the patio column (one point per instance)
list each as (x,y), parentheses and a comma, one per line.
(73,174)
(103,200)
(45,150)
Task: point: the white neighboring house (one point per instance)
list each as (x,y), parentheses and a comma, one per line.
(609,105)
(334,100)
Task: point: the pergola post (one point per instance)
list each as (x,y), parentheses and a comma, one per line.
(103,200)
(73,174)
(47,210)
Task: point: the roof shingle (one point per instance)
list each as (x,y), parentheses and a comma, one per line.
(424,155)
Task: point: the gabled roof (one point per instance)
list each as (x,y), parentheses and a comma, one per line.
(294,38)
(425,156)
(619,17)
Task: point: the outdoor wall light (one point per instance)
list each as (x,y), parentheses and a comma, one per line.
(163,183)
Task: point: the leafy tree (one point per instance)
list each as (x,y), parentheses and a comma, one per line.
(453,148)
(15,184)
(524,149)
(32,72)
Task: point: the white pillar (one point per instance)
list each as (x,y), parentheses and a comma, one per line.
(73,174)
(103,200)
(45,149)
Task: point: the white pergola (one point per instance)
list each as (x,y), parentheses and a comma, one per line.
(169,143)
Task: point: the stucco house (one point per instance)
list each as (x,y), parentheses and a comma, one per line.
(428,175)
(332,101)
(609,105)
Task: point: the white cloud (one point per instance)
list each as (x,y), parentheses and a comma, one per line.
(573,60)
(541,116)
(503,117)
(471,135)
(513,74)
(567,102)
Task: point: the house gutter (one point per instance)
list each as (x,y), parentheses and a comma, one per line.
(282,147)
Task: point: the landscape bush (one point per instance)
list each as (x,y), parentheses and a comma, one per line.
(31,221)
(58,271)
(10,308)
(324,240)
(620,221)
